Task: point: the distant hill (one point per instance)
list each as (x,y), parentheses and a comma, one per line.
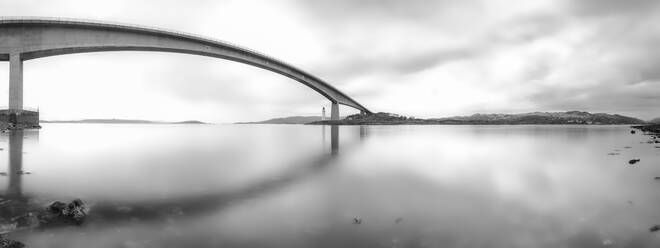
(538,118)
(189,122)
(287,120)
(569,117)
(656,120)
(122,121)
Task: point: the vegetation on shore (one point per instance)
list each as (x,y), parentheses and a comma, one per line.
(535,118)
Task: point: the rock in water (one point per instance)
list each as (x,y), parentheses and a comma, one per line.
(57,207)
(8,243)
(76,211)
(633,161)
(655,228)
(60,213)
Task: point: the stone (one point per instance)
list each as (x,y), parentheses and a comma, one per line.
(60,213)
(655,228)
(633,161)
(8,243)
(57,207)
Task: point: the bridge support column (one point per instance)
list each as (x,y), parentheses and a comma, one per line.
(15,82)
(334,112)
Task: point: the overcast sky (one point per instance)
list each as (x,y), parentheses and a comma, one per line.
(414,57)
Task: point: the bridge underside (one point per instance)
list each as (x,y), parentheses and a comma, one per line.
(22,40)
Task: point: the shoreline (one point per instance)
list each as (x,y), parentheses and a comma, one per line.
(648,128)
(342,123)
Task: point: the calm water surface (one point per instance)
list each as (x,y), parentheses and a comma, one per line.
(305,186)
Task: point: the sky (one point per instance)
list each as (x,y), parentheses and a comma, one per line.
(419,58)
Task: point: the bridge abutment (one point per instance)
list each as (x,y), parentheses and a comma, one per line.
(334,112)
(15,82)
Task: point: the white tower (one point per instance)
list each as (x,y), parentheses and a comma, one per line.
(323,114)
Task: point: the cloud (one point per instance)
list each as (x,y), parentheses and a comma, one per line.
(407,62)
(635,99)
(613,7)
(350,10)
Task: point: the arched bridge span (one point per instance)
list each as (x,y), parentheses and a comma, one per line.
(31,38)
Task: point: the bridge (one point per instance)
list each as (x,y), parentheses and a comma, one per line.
(23,39)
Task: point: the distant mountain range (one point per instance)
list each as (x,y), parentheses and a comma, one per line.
(287,120)
(538,118)
(122,121)
(569,117)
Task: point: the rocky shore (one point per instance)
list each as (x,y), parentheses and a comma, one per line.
(8,243)
(650,128)
(19,214)
(7,126)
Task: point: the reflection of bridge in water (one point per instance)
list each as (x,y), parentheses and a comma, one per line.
(109,212)
(15,140)
(15,189)
(13,202)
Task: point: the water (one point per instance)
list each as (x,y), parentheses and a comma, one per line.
(305,186)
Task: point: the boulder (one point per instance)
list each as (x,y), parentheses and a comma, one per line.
(655,228)
(8,243)
(59,213)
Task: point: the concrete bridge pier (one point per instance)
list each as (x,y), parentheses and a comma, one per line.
(15,82)
(334,111)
